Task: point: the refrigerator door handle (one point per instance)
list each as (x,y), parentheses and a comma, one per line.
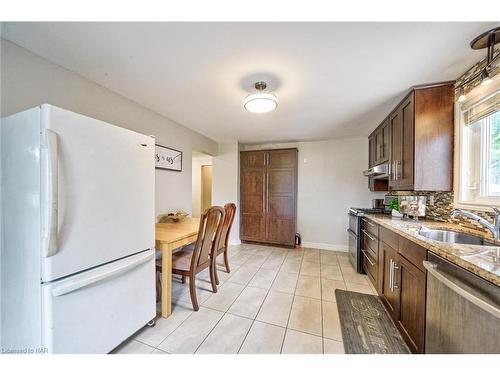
(53,204)
(71,286)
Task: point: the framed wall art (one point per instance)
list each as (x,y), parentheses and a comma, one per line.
(168,158)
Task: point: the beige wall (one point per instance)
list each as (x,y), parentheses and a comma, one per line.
(225,181)
(330,181)
(28,80)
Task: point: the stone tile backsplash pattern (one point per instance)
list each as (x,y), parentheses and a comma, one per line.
(443,204)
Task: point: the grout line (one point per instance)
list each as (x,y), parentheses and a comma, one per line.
(260,307)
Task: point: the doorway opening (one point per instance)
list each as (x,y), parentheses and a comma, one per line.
(201,182)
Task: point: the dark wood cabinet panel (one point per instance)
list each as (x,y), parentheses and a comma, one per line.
(401,284)
(252,159)
(434,117)
(411,283)
(389,293)
(268,196)
(404,165)
(419,138)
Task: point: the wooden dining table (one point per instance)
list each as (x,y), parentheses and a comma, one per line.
(170,236)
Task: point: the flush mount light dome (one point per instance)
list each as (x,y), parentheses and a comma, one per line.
(261,102)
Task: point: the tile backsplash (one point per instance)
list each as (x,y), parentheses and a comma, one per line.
(441,207)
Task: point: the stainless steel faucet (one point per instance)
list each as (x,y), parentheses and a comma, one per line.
(493,228)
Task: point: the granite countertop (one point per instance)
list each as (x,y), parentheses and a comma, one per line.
(483,261)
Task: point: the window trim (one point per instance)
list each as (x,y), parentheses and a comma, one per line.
(484,203)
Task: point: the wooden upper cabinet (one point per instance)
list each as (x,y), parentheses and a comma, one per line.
(420,139)
(268,195)
(372,150)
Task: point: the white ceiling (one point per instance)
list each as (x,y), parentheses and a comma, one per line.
(331,79)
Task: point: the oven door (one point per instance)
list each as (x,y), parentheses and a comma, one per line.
(354,224)
(353,249)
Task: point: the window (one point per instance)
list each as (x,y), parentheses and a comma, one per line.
(479,164)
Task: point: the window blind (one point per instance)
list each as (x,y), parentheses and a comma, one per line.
(482,109)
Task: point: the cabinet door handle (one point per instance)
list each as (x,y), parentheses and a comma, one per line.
(395,267)
(391,270)
(367,257)
(366,233)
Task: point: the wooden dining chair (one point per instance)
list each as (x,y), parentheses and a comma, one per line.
(190,261)
(222,246)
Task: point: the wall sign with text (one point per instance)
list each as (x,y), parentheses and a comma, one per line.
(168,158)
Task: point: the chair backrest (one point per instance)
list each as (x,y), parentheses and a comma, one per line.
(230,210)
(209,232)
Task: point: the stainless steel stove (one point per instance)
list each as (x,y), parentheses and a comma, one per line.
(355,234)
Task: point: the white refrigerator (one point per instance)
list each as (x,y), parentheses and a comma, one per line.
(77,256)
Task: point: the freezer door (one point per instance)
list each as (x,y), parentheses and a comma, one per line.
(94,311)
(98,192)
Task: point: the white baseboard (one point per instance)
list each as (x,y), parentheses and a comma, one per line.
(234,242)
(325,246)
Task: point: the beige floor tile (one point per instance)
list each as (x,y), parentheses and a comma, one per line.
(153,336)
(203,292)
(331,271)
(333,347)
(243,275)
(285,282)
(263,339)
(158,351)
(256,260)
(310,269)
(273,262)
(308,286)
(331,321)
(225,297)
(344,260)
(133,347)
(311,257)
(191,333)
(352,276)
(301,343)
(308,250)
(306,315)
(276,309)
(294,254)
(328,289)
(281,252)
(360,288)
(249,302)
(263,279)
(291,265)
(239,258)
(227,336)
(329,259)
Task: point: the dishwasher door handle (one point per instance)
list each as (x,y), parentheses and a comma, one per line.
(432,268)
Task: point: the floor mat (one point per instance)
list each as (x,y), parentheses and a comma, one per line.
(366,325)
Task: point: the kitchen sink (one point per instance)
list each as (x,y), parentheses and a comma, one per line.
(450,236)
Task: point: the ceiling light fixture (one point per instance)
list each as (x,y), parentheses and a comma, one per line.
(261,102)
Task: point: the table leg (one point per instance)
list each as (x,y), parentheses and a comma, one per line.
(166,281)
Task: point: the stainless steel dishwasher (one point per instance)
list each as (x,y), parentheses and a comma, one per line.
(462,312)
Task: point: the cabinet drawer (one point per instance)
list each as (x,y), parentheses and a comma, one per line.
(370,244)
(414,253)
(370,227)
(370,266)
(389,237)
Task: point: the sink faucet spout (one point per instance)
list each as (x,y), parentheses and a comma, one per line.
(493,228)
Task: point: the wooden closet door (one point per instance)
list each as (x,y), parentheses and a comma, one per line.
(252,196)
(281,187)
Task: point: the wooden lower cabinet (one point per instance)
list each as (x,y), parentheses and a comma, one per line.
(388,294)
(411,283)
(402,286)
